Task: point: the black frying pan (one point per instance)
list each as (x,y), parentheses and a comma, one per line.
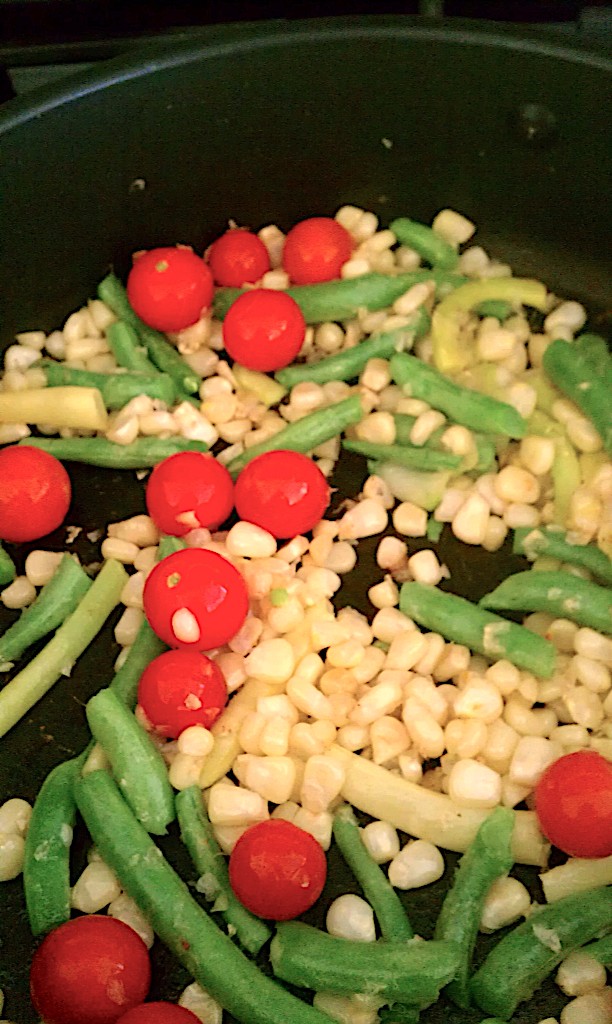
(273,123)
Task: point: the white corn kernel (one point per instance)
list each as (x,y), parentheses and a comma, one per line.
(350,917)
(406,648)
(381,841)
(592,674)
(585,707)
(388,739)
(185,626)
(453,227)
(322,783)
(580,973)
(308,699)
(377,428)
(419,863)
(426,734)
(185,770)
(532,755)
(235,806)
(272,660)
(479,699)
(381,699)
(121,550)
(526,720)
(19,594)
(273,778)
(591,644)
(139,530)
(95,888)
(537,454)
(15,815)
(410,520)
(425,567)
(594,1007)
(470,522)
(195,741)
(499,747)
(128,626)
(389,623)
(201,1003)
(40,566)
(569,314)
(12,853)
(247,540)
(505,902)
(124,909)
(317,825)
(465,739)
(385,594)
(472,784)
(365,519)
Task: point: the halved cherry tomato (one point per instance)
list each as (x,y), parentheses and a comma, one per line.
(181,688)
(187,490)
(283,492)
(277,870)
(316,249)
(238,257)
(169,288)
(90,970)
(264,329)
(35,493)
(195,599)
(573,802)
(159,1012)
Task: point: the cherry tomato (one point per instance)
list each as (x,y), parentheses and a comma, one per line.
(169,288)
(283,492)
(195,599)
(573,802)
(264,329)
(238,257)
(34,494)
(277,870)
(159,1013)
(181,688)
(90,970)
(316,249)
(187,490)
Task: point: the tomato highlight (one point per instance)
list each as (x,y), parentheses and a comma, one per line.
(169,288)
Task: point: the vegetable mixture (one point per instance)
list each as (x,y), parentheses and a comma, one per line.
(255,712)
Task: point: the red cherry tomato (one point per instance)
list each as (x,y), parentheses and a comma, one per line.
(181,688)
(573,802)
(159,1013)
(195,599)
(264,329)
(187,490)
(35,493)
(169,288)
(283,492)
(90,970)
(277,870)
(316,249)
(238,257)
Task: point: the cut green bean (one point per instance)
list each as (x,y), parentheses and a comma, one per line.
(136,762)
(470,408)
(127,348)
(434,530)
(488,858)
(485,445)
(7,568)
(434,249)
(428,459)
(146,646)
(142,453)
(378,891)
(65,647)
(307,433)
(197,834)
(168,545)
(520,962)
(57,599)
(117,389)
(601,950)
(399,1013)
(577,378)
(424,489)
(595,350)
(201,947)
(498,308)
(160,351)
(546,540)
(46,866)
(340,300)
(407,972)
(347,365)
(560,593)
(465,623)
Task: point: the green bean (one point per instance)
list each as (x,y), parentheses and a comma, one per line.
(347,365)
(68,643)
(470,408)
(424,489)
(168,545)
(405,455)
(146,646)
(462,622)
(485,445)
(57,599)
(601,950)
(595,350)
(117,389)
(434,530)
(307,433)
(201,947)
(380,894)
(520,962)
(577,378)
(136,762)
(498,308)
(125,345)
(488,858)
(399,1013)
(97,451)
(407,972)
(340,300)
(46,866)
(7,568)
(161,352)
(546,540)
(199,838)
(434,249)
(566,477)
(560,593)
